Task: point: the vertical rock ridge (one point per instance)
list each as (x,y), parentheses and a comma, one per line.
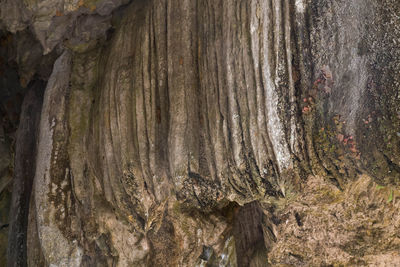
(170,142)
(24,174)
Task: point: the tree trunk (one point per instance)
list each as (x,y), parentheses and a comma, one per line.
(210,133)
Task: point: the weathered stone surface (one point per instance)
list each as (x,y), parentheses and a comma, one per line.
(5,160)
(54,21)
(5,199)
(215,133)
(354,227)
(24,172)
(53,196)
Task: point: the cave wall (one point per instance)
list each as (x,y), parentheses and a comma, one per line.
(167,126)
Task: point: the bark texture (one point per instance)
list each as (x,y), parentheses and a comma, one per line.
(214,133)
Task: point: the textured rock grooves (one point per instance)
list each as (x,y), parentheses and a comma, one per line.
(168,117)
(24,174)
(175,102)
(181,139)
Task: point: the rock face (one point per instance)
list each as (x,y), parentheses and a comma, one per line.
(207,133)
(24,172)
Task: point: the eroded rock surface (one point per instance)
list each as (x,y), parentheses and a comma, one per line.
(212,133)
(354,227)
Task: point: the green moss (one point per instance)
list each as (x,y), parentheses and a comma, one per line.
(176,208)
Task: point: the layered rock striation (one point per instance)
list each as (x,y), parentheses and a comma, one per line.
(210,133)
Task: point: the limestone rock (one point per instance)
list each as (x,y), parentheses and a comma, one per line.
(212,133)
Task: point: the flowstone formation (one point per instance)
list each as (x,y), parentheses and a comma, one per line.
(201,133)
